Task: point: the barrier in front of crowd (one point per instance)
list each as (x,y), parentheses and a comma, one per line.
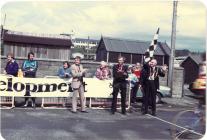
(55,91)
(6,102)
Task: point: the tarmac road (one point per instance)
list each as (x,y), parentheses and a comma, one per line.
(61,124)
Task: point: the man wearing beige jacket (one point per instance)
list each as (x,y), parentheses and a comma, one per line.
(77,84)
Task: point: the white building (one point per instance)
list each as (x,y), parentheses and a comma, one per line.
(85,43)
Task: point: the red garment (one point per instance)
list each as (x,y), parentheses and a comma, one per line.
(137,73)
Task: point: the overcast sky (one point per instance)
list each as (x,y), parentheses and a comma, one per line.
(137,20)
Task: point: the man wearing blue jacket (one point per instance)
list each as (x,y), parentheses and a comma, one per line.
(11,66)
(65,71)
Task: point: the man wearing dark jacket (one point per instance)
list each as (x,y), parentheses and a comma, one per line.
(11,66)
(119,83)
(150,84)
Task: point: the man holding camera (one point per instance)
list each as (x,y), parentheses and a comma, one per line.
(78,73)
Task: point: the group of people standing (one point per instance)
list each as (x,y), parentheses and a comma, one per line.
(145,78)
(28,69)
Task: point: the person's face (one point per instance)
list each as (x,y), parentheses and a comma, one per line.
(130,70)
(65,65)
(120,60)
(31,57)
(138,65)
(153,63)
(134,68)
(9,58)
(77,61)
(103,65)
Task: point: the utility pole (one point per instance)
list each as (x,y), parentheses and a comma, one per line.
(87,48)
(173,39)
(2,36)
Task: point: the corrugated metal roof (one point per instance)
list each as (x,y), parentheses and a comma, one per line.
(165,48)
(133,46)
(197,58)
(9,37)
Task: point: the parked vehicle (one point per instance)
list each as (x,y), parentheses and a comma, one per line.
(163,92)
(198,87)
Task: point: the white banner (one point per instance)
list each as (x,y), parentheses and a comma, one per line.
(52,87)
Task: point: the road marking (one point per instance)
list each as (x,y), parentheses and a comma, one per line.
(175,125)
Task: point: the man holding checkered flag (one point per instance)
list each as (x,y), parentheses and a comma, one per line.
(150,77)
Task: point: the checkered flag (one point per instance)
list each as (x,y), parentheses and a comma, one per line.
(150,51)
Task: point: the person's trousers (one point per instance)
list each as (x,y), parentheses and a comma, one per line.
(29,75)
(27,98)
(79,91)
(149,98)
(134,93)
(116,87)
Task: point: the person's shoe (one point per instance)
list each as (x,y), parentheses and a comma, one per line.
(144,112)
(74,112)
(33,105)
(26,104)
(112,112)
(83,111)
(124,113)
(153,114)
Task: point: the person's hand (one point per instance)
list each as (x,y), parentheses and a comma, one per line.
(85,70)
(125,73)
(4,72)
(164,67)
(66,75)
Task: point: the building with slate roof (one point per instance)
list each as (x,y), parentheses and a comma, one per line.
(45,46)
(133,50)
(190,64)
